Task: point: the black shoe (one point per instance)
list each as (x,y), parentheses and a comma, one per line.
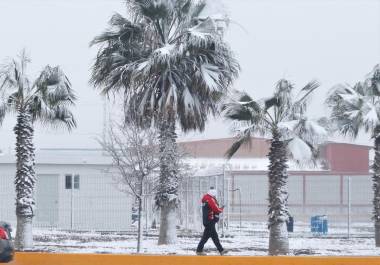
(201,253)
(223,252)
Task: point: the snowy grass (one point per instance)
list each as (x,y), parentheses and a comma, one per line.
(252,239)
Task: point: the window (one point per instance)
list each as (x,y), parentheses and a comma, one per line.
(76,182)
(68,182)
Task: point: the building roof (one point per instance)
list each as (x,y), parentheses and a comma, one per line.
(206,155)
(64,157)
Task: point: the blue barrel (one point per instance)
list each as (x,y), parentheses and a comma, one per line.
(318,224)
(290,224)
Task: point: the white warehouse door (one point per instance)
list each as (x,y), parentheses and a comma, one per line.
(46,201)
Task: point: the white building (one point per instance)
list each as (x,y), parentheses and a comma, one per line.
(73,191)
(76,191)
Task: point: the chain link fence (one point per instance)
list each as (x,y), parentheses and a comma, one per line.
(93,202)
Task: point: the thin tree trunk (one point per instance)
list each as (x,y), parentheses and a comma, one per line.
(278,196)
(139,232)
(167,195)
(376,190)
(24,181)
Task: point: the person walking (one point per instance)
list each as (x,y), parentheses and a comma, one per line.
(210,216)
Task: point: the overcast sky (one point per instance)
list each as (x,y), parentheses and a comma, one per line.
(333,41)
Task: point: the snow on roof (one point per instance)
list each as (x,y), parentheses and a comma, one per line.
(64,157)
(216,166)
(202,166)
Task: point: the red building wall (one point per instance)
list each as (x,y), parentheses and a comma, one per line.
(340,157)
(217,148)
(343,157)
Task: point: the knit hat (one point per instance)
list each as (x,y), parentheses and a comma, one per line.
(212,191)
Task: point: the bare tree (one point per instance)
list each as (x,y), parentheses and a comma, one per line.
(135,155)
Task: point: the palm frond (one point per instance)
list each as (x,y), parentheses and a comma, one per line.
(373,81)
(154,9)
(13,76)
(353,108)
(198,7)
(305,92)
(3,111)
(119,55)
(241,107)
(57,116)
(272,102)
(120,30)
(54,87)
(243,138)
(14,83)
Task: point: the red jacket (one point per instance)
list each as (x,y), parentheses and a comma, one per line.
(213,206)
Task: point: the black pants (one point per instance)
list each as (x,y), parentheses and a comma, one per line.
(210,231)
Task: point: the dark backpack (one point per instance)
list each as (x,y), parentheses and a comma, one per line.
(205,211)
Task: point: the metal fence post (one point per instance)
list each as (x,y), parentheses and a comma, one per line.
(200,209)
(146,214)
(239,207)
(240,212)
(228,203)
(348,206)
(187,205)
(71,208)
(223,194)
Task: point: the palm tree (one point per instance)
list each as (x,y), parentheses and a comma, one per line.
(355,108)
(282,118)
(173,66)
(47,100)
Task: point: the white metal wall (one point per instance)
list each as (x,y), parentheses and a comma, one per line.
(7,193)
(308,195)
(96,205)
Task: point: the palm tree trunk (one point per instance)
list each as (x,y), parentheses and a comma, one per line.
(24,181)
(278,196)
(376,190)
(167,194)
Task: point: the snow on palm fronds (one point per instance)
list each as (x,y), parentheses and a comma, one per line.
(356,107)
(169,56)
(47,99)
(285,111)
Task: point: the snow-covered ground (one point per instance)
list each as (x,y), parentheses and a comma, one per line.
(251,240)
